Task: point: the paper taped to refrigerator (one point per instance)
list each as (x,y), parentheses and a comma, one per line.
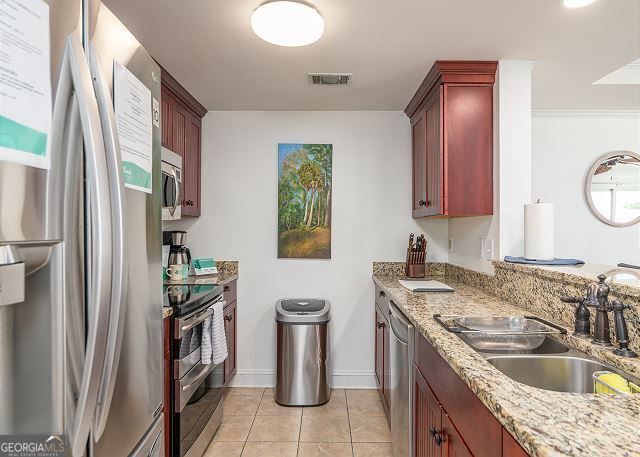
(25,83)
(132,105)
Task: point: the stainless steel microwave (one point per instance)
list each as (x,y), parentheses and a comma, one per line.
(171,185)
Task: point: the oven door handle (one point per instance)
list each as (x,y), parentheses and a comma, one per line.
(198,378)
(201,318)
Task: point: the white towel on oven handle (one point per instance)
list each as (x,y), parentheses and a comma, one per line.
(214,340)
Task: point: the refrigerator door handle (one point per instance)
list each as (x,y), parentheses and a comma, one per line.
(75,98)
(119,265)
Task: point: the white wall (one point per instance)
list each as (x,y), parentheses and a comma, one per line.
(564,146)
(511,174)
(371,221)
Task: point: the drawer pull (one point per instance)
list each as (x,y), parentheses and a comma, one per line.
(382,294)
(228,318)
(381,325)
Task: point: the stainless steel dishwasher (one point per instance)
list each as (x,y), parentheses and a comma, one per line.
(401,349)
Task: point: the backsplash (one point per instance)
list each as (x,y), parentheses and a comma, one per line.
(228,267)
(397,268)
(538,290)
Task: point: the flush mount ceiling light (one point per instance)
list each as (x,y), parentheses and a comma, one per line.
(576,3)
(287,23)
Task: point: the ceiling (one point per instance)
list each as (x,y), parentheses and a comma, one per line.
(388,45)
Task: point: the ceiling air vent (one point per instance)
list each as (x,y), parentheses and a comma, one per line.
(322,79)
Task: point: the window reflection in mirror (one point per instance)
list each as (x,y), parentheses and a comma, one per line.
(615,189)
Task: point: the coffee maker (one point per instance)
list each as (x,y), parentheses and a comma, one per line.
(179,254)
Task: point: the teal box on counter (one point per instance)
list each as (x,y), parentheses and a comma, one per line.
(206,266)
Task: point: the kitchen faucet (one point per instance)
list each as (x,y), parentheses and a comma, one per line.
(597,296)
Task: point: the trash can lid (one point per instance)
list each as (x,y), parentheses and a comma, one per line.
(303,310)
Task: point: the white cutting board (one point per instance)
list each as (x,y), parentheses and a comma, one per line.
(425,286)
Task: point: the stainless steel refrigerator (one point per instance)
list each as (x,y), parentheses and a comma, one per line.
(80,254)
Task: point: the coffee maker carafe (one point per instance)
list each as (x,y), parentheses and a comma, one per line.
(179,254)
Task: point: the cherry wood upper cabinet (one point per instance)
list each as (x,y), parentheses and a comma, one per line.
(168,108)
(452,131)
(191,168)
(181,132)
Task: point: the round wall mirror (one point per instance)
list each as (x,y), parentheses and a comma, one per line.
(612,188)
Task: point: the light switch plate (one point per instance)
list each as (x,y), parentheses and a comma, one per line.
(488,249)
(451,244)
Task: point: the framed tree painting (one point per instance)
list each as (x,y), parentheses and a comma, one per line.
(304,200)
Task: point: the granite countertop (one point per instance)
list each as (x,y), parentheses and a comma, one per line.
(545,423)
(227,272)
(222,278)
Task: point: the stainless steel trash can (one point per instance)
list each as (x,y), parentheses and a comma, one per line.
(302,348)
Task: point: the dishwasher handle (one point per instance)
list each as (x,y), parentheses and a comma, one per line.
(400,325)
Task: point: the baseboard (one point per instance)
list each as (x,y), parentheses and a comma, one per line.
(353,379)
(254,378)
(340,379)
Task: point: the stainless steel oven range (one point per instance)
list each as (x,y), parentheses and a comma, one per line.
(197,388)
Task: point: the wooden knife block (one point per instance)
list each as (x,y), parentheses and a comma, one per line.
(415,264)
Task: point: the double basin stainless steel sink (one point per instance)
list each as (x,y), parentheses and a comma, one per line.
(551,366)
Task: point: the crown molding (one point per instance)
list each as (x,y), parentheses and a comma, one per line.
(593,114)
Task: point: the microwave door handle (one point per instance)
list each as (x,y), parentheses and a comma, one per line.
(177,196)
(75,99)
(119,265)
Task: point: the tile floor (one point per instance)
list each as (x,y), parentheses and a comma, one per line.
(351,424)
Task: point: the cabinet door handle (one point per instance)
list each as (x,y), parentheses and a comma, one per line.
(422,203)
(228,318)
(225,289)
(382,294)
(189,202)
(381,325)
(440,438)
(432,431)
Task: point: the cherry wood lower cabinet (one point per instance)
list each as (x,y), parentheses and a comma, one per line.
(167,386)
(231,330)
(379,351)
(427,418)
(510,446)
(449,419)
(382,365)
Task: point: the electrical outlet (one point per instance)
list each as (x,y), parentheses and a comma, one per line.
(451,244)
(488,249)
(480,247)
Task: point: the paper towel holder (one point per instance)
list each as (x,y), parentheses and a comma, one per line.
(601,174)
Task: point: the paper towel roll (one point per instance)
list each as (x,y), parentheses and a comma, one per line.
(538,231)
